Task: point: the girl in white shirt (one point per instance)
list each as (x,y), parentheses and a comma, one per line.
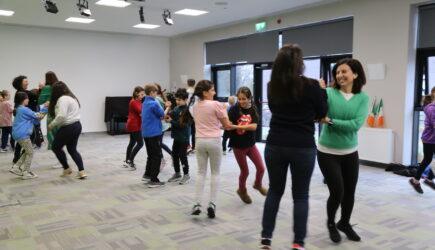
(65,108)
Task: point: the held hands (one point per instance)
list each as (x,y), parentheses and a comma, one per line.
(168,104)
(168,118)
(322,83)
(46,104)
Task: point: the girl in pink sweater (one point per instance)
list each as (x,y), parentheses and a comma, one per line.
(6,110)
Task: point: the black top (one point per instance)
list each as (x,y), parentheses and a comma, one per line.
(180,133)
(241,116)
(292,122)
(33,99)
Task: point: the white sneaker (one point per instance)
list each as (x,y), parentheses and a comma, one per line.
(28,175)
(3,150)
(56,166)
(16,170)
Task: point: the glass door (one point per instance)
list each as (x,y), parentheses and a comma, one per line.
(262,78)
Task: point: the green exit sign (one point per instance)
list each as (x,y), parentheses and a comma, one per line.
(260,27)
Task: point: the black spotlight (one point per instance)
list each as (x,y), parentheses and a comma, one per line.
(167,17)
(50,6)
(84,8)
(141,16)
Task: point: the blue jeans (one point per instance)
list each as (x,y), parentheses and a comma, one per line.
(301,161)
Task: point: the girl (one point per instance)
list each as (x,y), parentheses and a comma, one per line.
(65,108)
(428,139)
(208,116)
(161,98)
(22,128)
(6,110)
(295,102)
(180,120)
(244,116)
(337,151)
(45,96)
(226,135)
(134,123)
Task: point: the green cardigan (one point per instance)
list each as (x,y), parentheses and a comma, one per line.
(348,116)
(45,95)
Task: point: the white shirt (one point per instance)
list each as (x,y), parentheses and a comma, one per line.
(67,111)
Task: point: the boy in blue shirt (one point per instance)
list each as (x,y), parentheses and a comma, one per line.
(152,114)
(22,128)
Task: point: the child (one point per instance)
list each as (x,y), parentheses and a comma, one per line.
(6,110)
(152,114)
(190,90)
(226,135)
(428,139)
(180,122)
(45,96)
(244,116)
(208,116)
(25,119)
(134,126)
(161,98)
(65,108)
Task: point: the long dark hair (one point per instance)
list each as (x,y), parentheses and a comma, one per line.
(356,68)
(50,78)
(201,86)
(286,81)
(247,92)
(19,98)
(136,91)
(185,117)
(17,83)
(59,89)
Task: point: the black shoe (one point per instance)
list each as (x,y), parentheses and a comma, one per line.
(155,184)
(334,235)
(211,210)
(346,228)
(417,187)
(429,183)
(196,210)
(265,243)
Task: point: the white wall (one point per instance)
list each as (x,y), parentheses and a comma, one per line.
(382,34)
(93,64)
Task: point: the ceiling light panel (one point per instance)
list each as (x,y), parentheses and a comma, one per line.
(6,12)
(79,20)
(113,3)
(146,26)
(191,12)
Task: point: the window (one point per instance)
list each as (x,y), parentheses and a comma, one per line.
(245,77)
(223,83)
(312,68)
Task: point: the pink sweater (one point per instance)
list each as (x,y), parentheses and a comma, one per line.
(6,110)
(206,115)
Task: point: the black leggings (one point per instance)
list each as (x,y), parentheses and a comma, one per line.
(164,146)
(341,175)
(135,144)
(428,151)
(179,153)
(68,136)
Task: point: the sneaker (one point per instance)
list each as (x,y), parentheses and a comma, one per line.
(16,170)
(126,164)
(211,210)
(334,235)
(430,183)
(266,243)
(175,177)
(185,179)
(244,196)
(196,210)
(261,189)
(297,246)
(28,175)
(346,228)
(416,186)
(56,166)
(81,175)
(229,149)
(132,166)
(224,152)
(154,184)
(146,178)
(3,150)
(66,172)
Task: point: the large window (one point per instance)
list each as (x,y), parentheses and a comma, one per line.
(231,77)
(224,83)
(245,76)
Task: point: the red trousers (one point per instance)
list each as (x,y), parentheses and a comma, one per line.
(241,155)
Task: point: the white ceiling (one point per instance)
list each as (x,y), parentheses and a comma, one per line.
(121,20)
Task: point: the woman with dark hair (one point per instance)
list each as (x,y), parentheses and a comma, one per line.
(65,108)
(134,123)
(21,84)
(209,115)
(295,102)
(45,96)
(338,143)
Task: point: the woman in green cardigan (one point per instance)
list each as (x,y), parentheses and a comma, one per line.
(45,96)
(338,143)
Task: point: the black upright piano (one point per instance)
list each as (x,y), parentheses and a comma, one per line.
(116,113)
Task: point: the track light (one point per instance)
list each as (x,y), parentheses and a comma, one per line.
(141,16)
(83,6)
(50,6)
(167,17)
